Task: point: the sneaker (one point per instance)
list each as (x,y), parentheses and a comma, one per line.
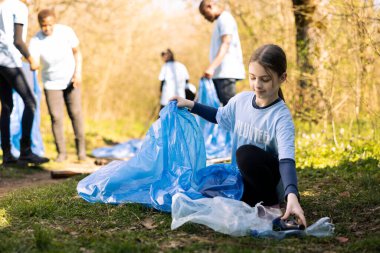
(60,158)
(29,157)
(8,158)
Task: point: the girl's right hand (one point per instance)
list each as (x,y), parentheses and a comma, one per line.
(182,102)
(294,207)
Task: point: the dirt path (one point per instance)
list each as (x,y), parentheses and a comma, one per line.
(14,179)
(27,180)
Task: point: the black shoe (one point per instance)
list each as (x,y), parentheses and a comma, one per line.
(29,157)
(8,158)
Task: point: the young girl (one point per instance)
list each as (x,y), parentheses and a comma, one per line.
(263,133)
(13,23)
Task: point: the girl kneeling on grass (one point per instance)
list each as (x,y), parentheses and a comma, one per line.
(263,133)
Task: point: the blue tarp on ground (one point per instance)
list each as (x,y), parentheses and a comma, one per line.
(172,159)
(16,116)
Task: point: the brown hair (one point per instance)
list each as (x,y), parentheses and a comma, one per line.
(271,57)
(204,3)
(45,13)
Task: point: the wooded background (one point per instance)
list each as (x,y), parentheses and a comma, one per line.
(333,48)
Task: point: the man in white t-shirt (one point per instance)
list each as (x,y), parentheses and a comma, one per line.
(57,48)
(173,76)
(226,57)
(13,27)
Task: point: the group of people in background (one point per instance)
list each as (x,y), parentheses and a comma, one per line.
(261,123)
(56,49)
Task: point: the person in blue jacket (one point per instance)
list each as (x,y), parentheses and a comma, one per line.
(263,133)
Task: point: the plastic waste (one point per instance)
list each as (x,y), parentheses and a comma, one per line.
(172,159)
(123,150)
(236,218)
(218,141)
(321,228)
(227,216)
(172,145)
(16,116)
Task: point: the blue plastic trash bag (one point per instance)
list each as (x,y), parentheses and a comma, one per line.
(218,141)
(223,180)
(16,116)
(123,150)
(236,218)
(173,144)
(172,159)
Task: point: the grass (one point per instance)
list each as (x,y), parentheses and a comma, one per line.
(335,181)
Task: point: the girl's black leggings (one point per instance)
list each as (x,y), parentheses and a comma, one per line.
(14,78)
(260,171)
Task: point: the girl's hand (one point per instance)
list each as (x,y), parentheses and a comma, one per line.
(294,207)
(182,102)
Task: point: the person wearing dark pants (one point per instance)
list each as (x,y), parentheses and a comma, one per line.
(226,57)
(14,16)
(56,99)
(260,172)
(57,47)
(225,89)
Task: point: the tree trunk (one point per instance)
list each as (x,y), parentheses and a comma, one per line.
(303,12)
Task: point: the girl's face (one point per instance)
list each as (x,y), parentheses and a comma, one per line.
(264,84)
(47,25)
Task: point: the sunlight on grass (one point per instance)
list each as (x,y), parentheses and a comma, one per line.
(309,194)
(3,219)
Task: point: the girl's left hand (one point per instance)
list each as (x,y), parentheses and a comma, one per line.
(294,207)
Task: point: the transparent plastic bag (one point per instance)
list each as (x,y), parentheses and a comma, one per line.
(322,228)
(218,141)
(227,216)
(236,218)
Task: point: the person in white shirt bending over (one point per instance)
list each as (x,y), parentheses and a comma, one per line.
(13,28)
(56,46)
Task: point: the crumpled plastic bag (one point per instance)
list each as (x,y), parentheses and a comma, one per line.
(172,159)
(123,150)
(16,116)
(236,218)
(321,228)
(227,216)
(172,143)
(218,141)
